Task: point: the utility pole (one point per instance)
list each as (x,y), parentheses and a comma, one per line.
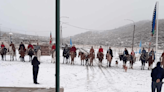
(57,45)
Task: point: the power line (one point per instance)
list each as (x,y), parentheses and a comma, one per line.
(83,28)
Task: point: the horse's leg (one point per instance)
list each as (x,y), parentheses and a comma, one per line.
(63,60)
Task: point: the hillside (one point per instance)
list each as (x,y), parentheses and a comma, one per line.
(122,36)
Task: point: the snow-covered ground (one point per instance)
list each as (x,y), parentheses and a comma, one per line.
(77,78)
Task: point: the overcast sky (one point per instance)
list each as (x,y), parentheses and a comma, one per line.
(38,16)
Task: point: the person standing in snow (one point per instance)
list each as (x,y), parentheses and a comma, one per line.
(35,63)
(157,75)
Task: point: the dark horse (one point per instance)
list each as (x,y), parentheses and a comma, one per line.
(143,58)
(66,54)
(100,56)
(30,53)
(3,53)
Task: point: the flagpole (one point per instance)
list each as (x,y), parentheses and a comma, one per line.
(157,29)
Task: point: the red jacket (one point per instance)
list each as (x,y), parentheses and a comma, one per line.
(53,47)
(132,53)
(2,45)
(73,49)
(30,46)
(100,49)
(91,50)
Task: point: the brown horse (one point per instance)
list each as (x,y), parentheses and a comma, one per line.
(22,54)
(91,57)
(109,59)
(73,55)
(82,57)
(150,61)
(100,56)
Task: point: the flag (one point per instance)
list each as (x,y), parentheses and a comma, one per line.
(50,38)
(70,42)
(140,47)
(154,21)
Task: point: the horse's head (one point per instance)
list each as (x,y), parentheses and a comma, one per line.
(79,53)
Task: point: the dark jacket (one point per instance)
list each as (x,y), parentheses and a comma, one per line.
(126,52)
(35,62)
(21,45)
(144,51)
(157,73)
(66,52)
(110,52)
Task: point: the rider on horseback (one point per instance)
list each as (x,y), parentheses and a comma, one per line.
(13,46)
(22,45)
(66,52)
(101,49)
(151,53)
(73,49)
(132,59)
(36,48)
(110,51)
(53,47)
(92,50)
(125,54)
(2,46)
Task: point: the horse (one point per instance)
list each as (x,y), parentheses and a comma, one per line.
(132,60)
(12,53)
(53,56)
(83,57)
(22,53)
(73,55)
(100,56)
(3,53)
(109,59)
(91,57)
(30,53)
(150,61)
(66,54)
(143,58)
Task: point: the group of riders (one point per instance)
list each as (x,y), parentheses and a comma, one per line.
(145,57)
(31,50)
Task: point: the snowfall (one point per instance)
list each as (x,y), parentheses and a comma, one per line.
(77,78)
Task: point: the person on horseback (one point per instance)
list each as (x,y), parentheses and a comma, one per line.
(152,53)
(22,45)
(30,46)
(36,48)
(92,50)
(66,52)
(3,50)
(73,49)
(2,46)
(132,59)
(125,54)
(101,49)
(13,46)
(143,51)
(110,51)
(30,51)
(53,47)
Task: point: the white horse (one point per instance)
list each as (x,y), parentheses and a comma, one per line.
(12,53)
(53,57)
(38,54)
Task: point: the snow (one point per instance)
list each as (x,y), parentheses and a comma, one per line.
(77,78)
